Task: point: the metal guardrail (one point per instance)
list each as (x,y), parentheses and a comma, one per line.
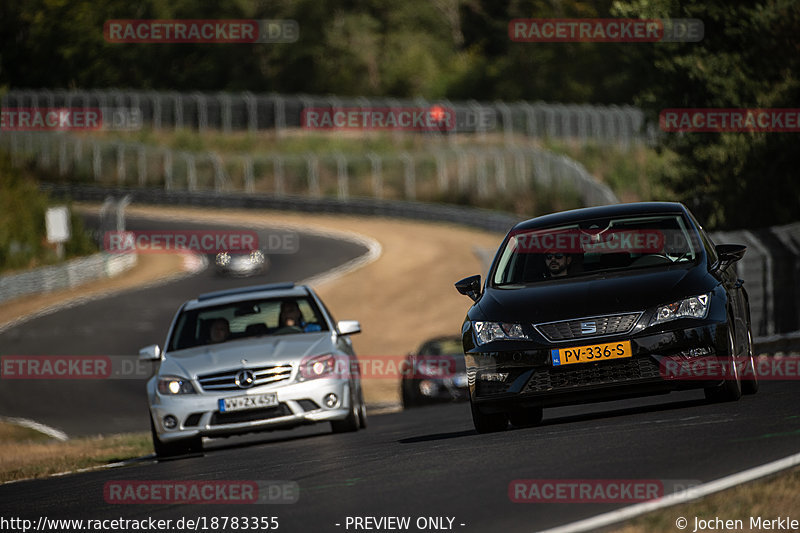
(436,173)
(621,125)
(64,276)
(786,343)
(467,216)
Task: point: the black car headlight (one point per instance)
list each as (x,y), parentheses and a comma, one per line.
(498,331)
(171,386)
(692,307)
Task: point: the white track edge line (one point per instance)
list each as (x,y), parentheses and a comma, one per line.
(695,493)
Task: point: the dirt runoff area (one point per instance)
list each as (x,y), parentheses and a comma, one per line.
(402,298)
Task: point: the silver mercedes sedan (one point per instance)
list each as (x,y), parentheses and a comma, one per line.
(252,359)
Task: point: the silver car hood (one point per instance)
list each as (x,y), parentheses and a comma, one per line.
(256,351)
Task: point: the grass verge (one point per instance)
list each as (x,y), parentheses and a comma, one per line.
(25,453)
(769,498)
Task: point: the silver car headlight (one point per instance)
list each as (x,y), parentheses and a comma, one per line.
(692,307)
(256,257)
(323,366)
(172,386)
(223,259)
(494,331)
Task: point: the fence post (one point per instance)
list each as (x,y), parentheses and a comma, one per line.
(312,170)
(191,171)
(225,111)
(219,171)
(249,180)
(277,168)
(252,112)
(409,176)
(482,178)
(168,184)
(463,171)
(62,156)
(120,163)
(441,172)
(141,163)
(342,177)
(500,170)
(280,114)
(97,162)
(377,176)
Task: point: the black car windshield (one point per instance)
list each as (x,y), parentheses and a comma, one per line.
(592,246)
(239,320)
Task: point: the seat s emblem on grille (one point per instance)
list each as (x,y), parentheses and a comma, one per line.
(245,379)
(587,328)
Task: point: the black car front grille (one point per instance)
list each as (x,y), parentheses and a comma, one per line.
(226,381)
(588,327)
(581,375)
(249,415)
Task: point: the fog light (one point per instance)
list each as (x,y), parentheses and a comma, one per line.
(330,400)
(427,387)
(170,422)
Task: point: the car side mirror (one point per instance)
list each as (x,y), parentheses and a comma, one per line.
(150,353)
(729,254)
(470,286)
(348,327)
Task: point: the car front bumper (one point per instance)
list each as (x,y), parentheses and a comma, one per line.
(298,404)
(513,377)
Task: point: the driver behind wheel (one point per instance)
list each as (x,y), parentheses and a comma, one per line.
(291,316)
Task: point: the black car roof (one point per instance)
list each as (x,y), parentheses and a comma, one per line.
(587,213)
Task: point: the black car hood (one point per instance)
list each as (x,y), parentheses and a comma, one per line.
(598,294)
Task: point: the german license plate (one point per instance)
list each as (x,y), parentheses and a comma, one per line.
(591,353)
(251,401)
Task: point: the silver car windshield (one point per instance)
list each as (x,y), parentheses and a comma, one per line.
(240,320)
(594,246)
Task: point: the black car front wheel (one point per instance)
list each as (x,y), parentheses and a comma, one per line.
(750,379)
(488,422)
(730,389)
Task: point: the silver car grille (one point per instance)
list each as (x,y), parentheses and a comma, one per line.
(581,328)
(226,380)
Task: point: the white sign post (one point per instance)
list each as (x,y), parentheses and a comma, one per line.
(58,227)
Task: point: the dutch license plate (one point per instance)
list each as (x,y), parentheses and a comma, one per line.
(252,401)
(591,353)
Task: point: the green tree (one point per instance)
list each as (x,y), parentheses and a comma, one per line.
(749,58)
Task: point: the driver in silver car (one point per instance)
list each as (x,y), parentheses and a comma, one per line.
(291,316)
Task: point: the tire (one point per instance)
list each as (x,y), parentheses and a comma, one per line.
(488,423)
(750,382)
(729,390)
(362,410)
(174,448)
(409,398)
(351,422)
(526,417)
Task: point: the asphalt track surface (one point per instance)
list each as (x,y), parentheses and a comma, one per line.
(427,462)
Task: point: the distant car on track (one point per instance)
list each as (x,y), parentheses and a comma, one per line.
(600,303)
(252,359)
(435,373)
(241,264)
